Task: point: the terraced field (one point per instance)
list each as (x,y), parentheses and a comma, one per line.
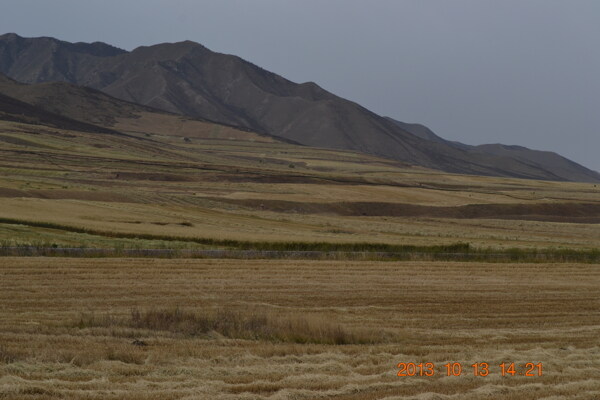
(229,184)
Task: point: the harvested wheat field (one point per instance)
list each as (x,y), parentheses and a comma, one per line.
(256,329)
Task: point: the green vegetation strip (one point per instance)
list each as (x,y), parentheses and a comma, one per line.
(250,245)
(300,250)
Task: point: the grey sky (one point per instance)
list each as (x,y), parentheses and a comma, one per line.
(521,72)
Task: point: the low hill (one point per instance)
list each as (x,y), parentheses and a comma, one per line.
(15,110)
(69,106)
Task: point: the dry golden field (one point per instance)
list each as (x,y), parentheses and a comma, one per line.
(126,328)
(66,329)
(228,184)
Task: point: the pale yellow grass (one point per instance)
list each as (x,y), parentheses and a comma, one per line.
(173,125)
(212,221)
(370,193)
(437,312)
(154,185)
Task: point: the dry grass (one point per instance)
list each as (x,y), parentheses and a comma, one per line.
(258,329)
(180,127)
(162,186)
(235,324)
(425,312)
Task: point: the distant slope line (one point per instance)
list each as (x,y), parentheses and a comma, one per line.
(14,110)
(67,106)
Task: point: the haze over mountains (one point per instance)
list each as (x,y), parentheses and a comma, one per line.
(187,78)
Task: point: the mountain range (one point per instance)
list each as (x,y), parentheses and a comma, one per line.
(98,82)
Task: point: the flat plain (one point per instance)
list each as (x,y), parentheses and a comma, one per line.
(65,333)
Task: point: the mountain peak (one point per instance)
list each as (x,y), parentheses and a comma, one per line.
(99,49)
(170,50)
(10,36)
(182,45)
(187,78)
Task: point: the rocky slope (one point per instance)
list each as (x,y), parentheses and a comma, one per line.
(189,79)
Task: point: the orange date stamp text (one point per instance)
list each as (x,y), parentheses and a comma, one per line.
(508,369)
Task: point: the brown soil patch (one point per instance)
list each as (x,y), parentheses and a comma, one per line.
(555,212)
(66,194)
(152,176)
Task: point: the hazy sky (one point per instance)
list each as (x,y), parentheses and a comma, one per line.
(521,72)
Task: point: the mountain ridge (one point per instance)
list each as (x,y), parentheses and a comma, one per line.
(189,79)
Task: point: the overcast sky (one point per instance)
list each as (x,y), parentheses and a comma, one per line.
(521,72)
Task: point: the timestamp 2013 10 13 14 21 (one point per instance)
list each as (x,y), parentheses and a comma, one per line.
(529,369)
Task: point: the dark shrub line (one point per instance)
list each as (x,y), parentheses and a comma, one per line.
(251,245)
(511,255)
(235,324)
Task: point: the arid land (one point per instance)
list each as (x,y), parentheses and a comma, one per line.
(224,183)
(144,328)
(67,329)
